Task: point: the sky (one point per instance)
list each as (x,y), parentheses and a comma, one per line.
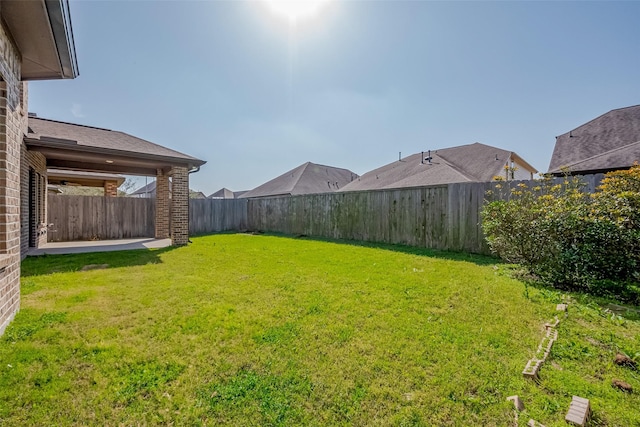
(255,95)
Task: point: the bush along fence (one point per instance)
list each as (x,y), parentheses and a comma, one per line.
(570,238)
(439,217)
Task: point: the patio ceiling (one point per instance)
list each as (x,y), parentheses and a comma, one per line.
(86,179)
(100,160)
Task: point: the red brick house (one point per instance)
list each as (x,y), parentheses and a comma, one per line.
(36,43)
(75,147)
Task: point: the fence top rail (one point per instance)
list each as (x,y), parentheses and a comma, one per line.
(586,178)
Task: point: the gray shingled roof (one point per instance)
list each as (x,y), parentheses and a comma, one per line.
(467,163)
(223,193)
(150,188)
(608,142)
(104,139)
(308,178)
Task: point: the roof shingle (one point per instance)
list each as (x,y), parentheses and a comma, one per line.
(467,163)
(87,136)
(607,142)
(308,178)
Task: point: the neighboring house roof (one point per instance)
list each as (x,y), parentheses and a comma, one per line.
(73,146)
(467,163)
(308,178)
(223,193)
(87,179)
(608,142)
(150,188)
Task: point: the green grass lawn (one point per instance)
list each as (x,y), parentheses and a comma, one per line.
(266,330)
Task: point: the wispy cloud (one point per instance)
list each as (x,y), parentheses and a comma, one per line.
(76,110)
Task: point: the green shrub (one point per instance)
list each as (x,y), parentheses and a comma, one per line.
(567,237)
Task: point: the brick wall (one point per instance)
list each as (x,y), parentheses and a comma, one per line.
(110,188)
(179,206)
(162,205)
(13,123)
(33,185)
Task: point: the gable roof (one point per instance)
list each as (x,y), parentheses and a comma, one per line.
(607,142)
(150,188)
(223,193)
(69,145)
(308,178)
(467,163)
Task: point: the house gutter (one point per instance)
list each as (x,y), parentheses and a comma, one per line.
(60,21)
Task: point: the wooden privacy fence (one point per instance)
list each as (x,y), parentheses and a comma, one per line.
(99,218)
(439,217)
(214,215)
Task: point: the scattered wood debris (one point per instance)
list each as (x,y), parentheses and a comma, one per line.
(626,387)
(579,411)
(624,360)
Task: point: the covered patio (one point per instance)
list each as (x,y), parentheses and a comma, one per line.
(109,182)
(63,248)
(70,148)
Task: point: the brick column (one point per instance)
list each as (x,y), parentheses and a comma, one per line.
(111,188)
(162,205)
(179,206)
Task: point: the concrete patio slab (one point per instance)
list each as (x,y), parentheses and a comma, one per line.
(59,248)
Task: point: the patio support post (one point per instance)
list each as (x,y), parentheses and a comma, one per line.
(179,206)
(162,205)
(111,188)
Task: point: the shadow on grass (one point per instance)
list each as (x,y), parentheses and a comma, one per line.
(47,264)
(482,260)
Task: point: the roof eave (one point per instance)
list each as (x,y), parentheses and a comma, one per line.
(569,172)
(523,162)
(72,145)
(42,32)
(60,19)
